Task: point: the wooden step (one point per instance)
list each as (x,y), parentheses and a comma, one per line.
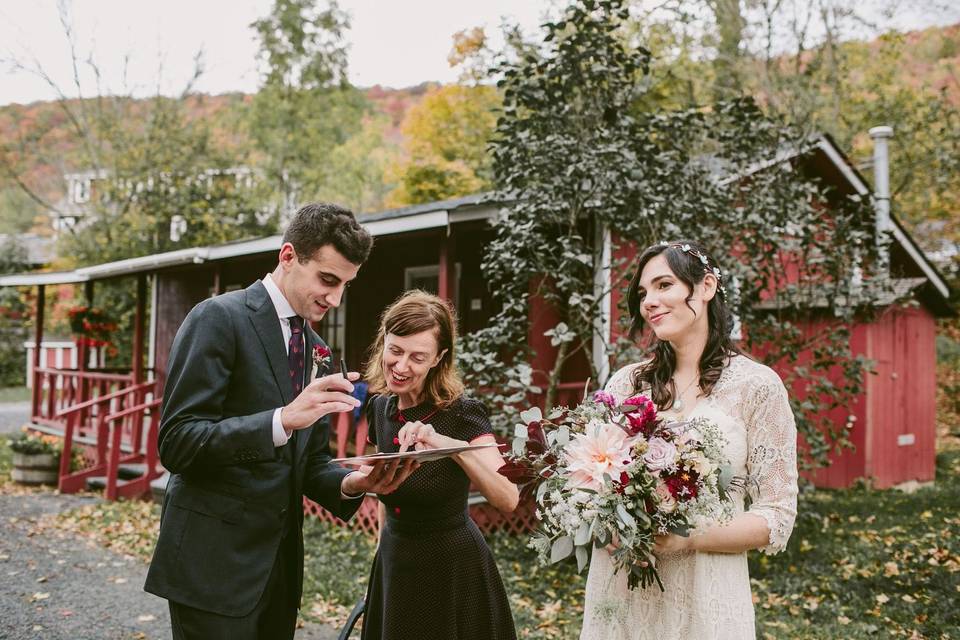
(131,471)
(96,483)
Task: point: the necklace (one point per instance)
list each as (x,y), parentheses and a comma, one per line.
(678,403)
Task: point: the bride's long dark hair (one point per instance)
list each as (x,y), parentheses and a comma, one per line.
(690,263)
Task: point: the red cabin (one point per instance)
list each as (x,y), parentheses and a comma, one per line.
(439,246)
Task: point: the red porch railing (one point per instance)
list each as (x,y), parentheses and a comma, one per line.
(55,391)
(121,430)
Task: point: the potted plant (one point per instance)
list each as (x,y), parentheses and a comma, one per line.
(36,458)
(91,326)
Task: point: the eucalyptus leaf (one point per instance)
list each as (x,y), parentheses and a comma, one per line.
(726,476)
(583,534)
(561,548)
(583,557)
(626,517)
(532,414)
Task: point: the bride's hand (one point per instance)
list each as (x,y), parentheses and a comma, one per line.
(614,544)
(423,436)
(670,543)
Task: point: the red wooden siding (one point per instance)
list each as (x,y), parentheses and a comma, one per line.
(902,398)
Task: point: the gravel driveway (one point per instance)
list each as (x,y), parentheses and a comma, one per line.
(13,415)
(55,586)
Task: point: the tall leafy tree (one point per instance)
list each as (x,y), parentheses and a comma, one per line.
(575,155)
(305,107)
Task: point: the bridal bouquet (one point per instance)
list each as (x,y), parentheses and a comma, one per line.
(604,472)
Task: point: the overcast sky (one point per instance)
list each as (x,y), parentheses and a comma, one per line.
(395,43)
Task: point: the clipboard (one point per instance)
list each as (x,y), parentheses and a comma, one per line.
(423,455)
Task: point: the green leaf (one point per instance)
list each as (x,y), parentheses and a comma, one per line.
(583,557)
(583,534)
(561,548)
(625,517)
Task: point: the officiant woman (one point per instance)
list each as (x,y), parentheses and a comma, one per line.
(433,577)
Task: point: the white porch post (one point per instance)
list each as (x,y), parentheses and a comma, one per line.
(601,288)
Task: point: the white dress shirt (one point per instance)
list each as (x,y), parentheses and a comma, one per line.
(284,313)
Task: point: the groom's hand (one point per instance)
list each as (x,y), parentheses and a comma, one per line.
(329,394)
(383,477)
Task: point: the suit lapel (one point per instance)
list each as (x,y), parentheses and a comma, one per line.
(263,316)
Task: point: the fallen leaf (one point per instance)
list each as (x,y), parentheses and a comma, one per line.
(39,596)
(883,598)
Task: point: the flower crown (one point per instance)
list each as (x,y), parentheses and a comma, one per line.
(715,270)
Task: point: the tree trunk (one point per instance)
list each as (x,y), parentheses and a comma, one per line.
(726,65)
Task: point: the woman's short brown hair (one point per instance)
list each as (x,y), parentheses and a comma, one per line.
(411,313)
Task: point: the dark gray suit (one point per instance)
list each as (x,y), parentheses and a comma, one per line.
(233,497)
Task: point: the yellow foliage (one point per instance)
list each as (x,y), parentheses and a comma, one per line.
(445,144)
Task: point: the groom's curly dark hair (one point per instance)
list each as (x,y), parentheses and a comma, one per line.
(322,223)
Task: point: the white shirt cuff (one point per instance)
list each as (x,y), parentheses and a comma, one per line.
(280,435)
(344,496)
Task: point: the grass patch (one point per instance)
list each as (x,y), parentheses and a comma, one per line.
(864,563)
(14,394)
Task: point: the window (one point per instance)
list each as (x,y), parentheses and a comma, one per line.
(427,277)
(81,191)
(333,328)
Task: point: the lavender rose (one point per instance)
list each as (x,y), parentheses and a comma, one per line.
(660,454)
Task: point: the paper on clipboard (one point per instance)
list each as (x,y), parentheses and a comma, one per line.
(423,455)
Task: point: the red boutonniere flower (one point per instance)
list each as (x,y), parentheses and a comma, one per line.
(321,356)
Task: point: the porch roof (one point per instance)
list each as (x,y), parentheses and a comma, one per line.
(431,215)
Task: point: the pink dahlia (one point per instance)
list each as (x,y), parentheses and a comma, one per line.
(603,449)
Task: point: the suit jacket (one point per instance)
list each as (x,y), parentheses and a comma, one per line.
(231,492)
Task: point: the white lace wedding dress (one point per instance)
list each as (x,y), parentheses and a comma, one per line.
(708,594)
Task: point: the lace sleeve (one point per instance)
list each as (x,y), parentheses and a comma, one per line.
(620,383)
(772,460)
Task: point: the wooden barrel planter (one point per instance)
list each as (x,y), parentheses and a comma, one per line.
(35,468)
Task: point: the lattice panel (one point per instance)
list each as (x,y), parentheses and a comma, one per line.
(488,519)
(365,519)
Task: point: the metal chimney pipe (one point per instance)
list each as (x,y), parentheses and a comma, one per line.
(881,175)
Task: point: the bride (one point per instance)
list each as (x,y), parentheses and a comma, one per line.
(695,370)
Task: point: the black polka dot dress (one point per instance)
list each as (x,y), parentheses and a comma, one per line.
(433,577)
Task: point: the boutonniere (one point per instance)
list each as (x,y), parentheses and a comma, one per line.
(321,358)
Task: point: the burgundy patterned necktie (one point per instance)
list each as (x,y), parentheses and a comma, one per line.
(295,354)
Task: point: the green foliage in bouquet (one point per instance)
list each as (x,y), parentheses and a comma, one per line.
(605,474)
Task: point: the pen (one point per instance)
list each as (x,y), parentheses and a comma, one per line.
(343,368)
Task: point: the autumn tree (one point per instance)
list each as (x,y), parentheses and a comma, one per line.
(305,108)
(445,145)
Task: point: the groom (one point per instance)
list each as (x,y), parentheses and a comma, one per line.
(245,436)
